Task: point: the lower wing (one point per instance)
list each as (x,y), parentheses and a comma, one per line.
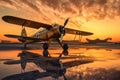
(32,75)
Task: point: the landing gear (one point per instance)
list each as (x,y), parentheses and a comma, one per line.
(46,52)
(65,49)
(45,49)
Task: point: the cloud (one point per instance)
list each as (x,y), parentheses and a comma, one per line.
(55,4)
(30,4)
(97,9)
(47,10)
(7,3)
(17,2)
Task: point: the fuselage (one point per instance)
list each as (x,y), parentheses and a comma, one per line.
(46,35)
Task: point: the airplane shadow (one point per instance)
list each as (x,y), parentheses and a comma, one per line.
(76,63)
(33,75)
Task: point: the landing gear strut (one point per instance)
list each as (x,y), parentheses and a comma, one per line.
(45,49)
(65,47)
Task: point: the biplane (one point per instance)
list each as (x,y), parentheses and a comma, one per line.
(49,33)
(53,66)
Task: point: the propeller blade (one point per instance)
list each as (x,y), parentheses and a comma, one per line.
(66,21)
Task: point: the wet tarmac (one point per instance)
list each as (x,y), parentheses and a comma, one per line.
(93,62)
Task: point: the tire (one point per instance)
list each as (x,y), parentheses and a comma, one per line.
(65,46)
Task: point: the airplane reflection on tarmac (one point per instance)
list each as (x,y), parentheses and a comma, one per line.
(53,66)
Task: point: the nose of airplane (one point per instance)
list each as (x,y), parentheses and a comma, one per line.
(62,30)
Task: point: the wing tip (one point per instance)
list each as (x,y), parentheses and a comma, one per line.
(91,33)
(4,18)
(7,35)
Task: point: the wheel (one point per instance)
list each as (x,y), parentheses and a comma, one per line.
(65,46)
(65,52)
(45,46)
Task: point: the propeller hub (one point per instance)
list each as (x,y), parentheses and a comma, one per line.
(62,30)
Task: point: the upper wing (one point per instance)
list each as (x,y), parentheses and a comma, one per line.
(70,64)
(78,32)
(25,22)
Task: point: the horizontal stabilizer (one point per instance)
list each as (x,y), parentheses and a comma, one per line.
(26,38)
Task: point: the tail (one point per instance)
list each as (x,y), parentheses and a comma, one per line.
(23,37)
(23,32)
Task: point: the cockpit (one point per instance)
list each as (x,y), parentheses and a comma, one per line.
(55,25)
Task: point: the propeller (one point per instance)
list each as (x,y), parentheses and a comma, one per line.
(62,29)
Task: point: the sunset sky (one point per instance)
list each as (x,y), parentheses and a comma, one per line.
(102,17)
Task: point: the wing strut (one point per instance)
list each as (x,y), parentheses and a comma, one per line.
(80,36)
(75,36)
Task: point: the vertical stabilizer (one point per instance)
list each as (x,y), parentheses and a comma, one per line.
(23,32)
